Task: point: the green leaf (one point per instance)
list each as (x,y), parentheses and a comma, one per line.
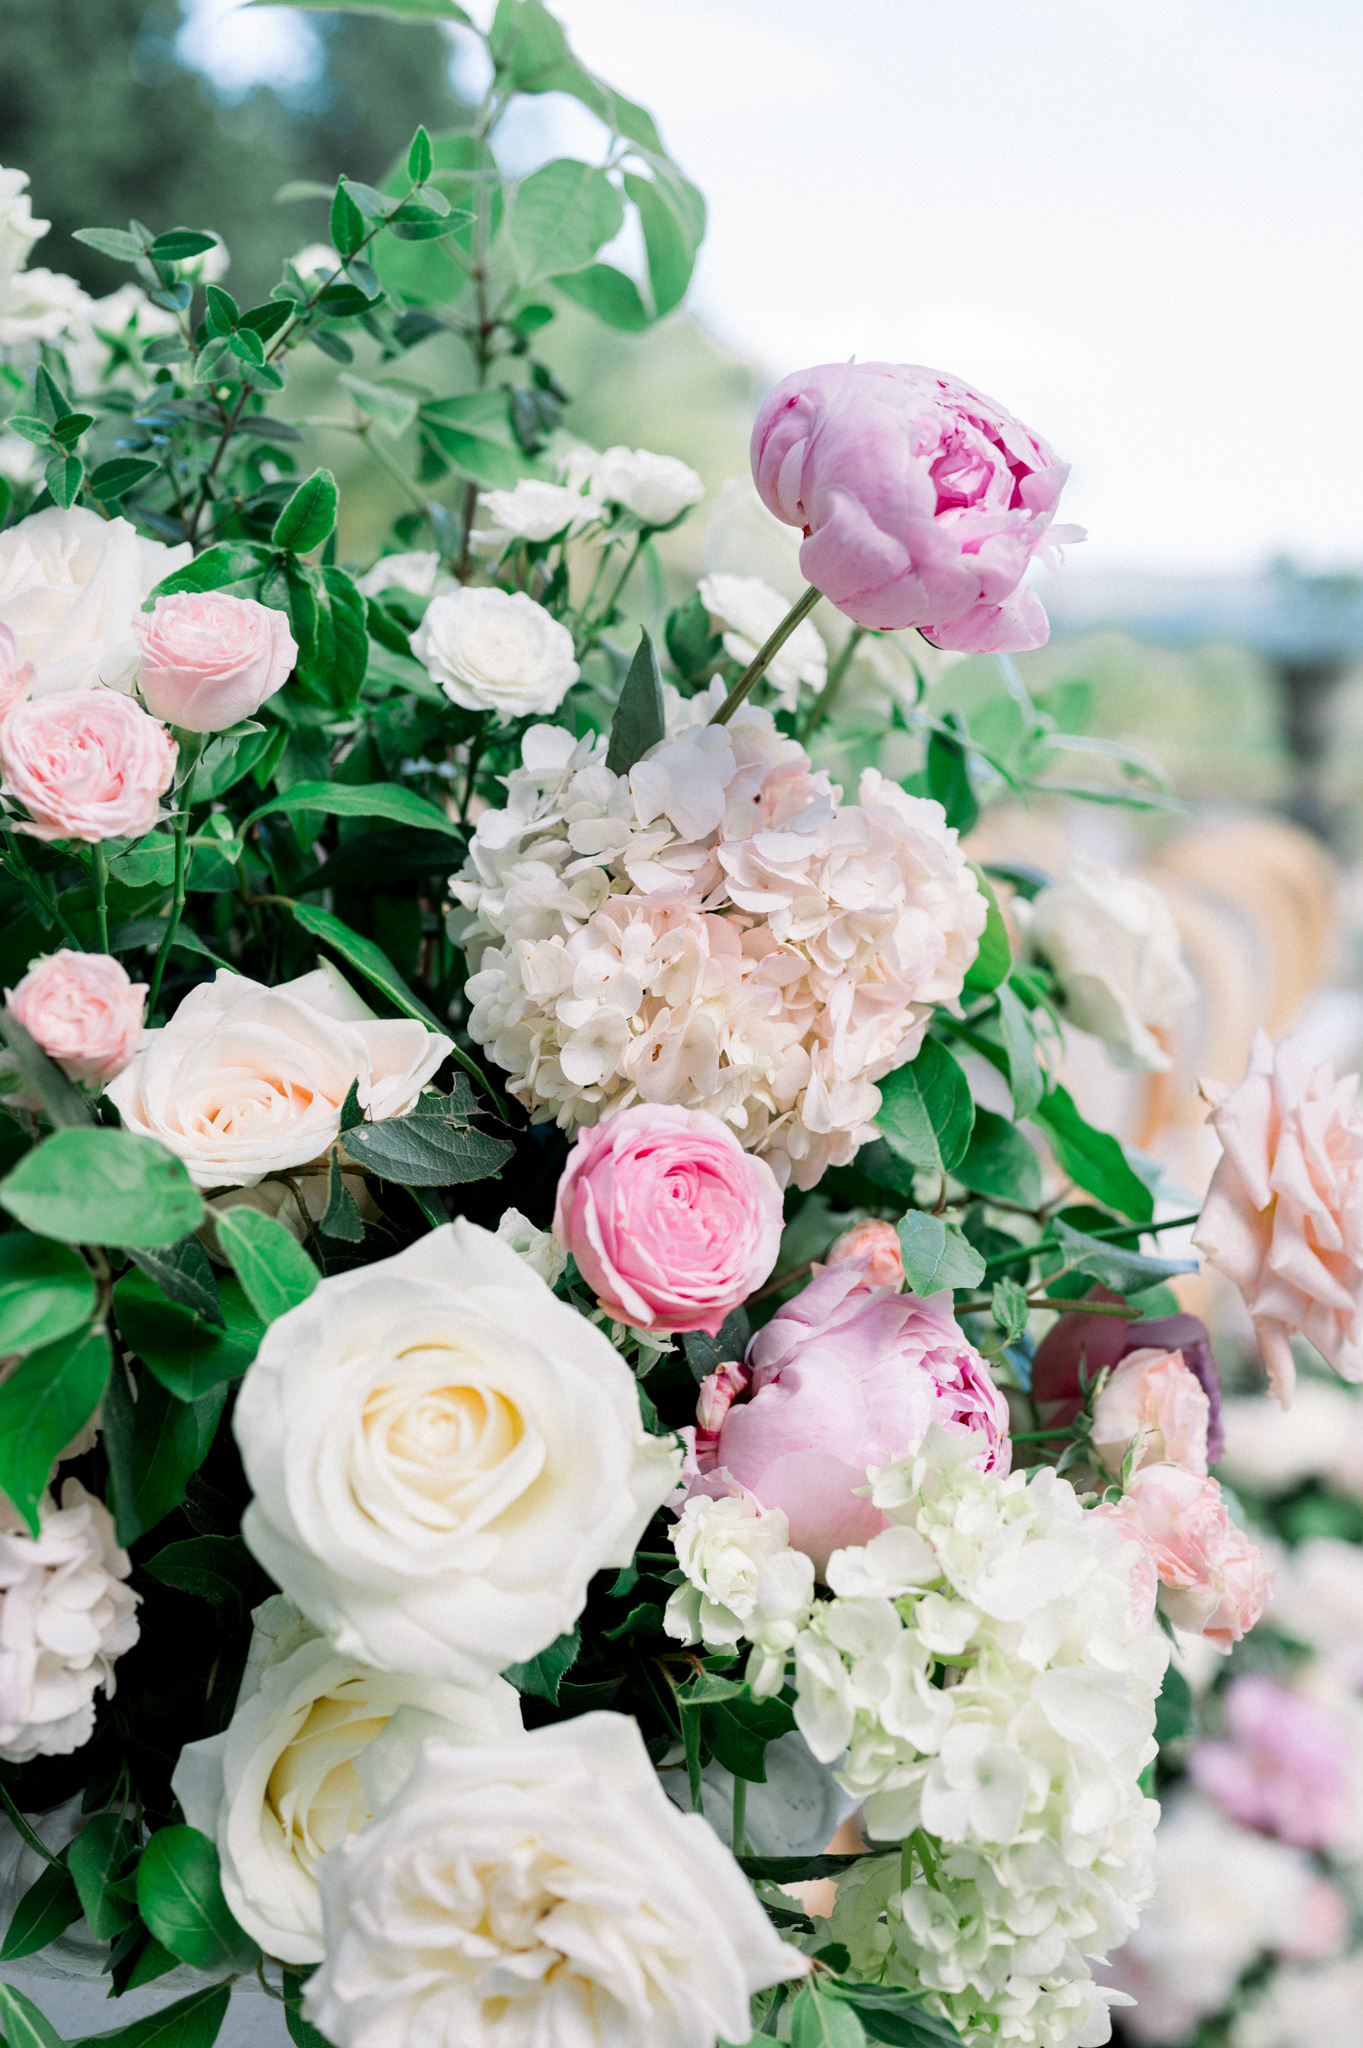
(475,430)
(670,249)
(46,1291)
(739,1729)
(154,1446)
(63,476)
(102,1187)
(1123,1271)
(214,1568)
(193,2022)
(561,215)
(301,2032)
(936,1254)
(63,1104)
(95,1860)
(1093,1159)
(994,960)
(43,1403)
(389,408)
(949,781)
(29,428)
(228,561)
(342,1219)
(179,1895)
(309,516)
(818,2022)
(638,723)
(363,955)
(419,158)
(46,1909)
(892,2014)
(998,1161)
(330,624)
(115,479)
(602,289)
(1175,1712)
(115,242)
(543,1675)
(359,800)
(347,222)
(926,1111)
(221,310)
(24,2026)
(185,1352)
(797,1869)
(273,1267)
(181,243)
(1025,1077)
(1008,1307)
(434,1147)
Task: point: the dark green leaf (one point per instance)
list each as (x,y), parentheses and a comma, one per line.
(638,723)
(363,955)
(993,963)
(690,641)
(154,1446)
(179,1895)
(428,1151)
(359,800)
(999,1162)
(892,2014)
(936,1254)
(102,1187)
(1093,1159)
(150,1962)
(1025,1077)
(602,289)
(43,1403)
(181,243)
(419,158)
(544,1674)
(273,1267)
(95,1859)
(949,781)
(125,248)
(183,1274)
(796,1869)
(330,624)
(351,1113)
(69,430)
(115,479)
(23,2025)
(301,2032)
(218,1569)
(738,1729)
(347,222)
(926,1111)
(248,348)
(342,1219)
(1124,1272)
(46,1291)
(561,216)
(228,561)
(46,1909)
(193,2022)
(1175,1709)
(704,1353)
(222,310)
(186,1353)
(818,2022)
(309,516)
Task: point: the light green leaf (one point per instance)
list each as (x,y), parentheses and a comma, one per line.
(817,2022)
(23,2024)
(993,962)
(639,722)
(179,1895)
(102,1187)
(309,516)
(926,1111)
(419,158)
(46,1291)
(1126,1272)
(607,292)
(115,242)
(359,800)
(561,216)
(227,561)
(43,1403)
(474,429)
(999,1161)
(390,409)
(271,1265)
(390,10)
(63,1104)
(937,1254)
(1008,1307)
(193,2022)
(671,252)
(1025,1076)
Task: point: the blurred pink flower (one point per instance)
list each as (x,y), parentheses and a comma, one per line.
(83,1010)
(877,1245)
(1152,1394)
(1213,1581)
(671,1222)
(1285,1767)
(843,1377)
(1283,1218)
(921,500)
(209,660)
(86,764)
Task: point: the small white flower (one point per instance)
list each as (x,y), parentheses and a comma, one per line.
(315,257)
(534,511)
(1114,949)
(491,650)
(656,488)
(417,572)
(751,611)
(540,1249)
(722,1546)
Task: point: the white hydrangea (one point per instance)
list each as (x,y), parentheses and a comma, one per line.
(741,1573)
(716,929)
(35,305)
(751,611)
(985,1665)
(65,1617)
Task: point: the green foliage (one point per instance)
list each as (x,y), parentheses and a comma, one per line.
(45,1401)
(179,1895)
(638,723)
(926,1111)
(543,1675)
(1093,1159)
(102,1187)
(192,2022)
(937,1254)
(24,2025)
(188,1354)
(46,1291)
(275,1272)
(46,1910)
(434,1147)
(1000,1163)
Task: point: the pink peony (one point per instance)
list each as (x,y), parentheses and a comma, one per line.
(922,502)
(86,764)
(16,677)
(671,1222)
(1283,1218)
(1152,1395)
(209,660)
(83,1011)
(1286,1767)
(1093,1341)
(876,1245)
(843,1377)
(1213,1579)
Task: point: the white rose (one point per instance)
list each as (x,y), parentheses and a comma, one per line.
(491,650)
(752,611)
(313,1749)
(540,1249)
(1114,948)
(534,511)
(656,488)
(71,585)
(418,573)
(442,1454)
(245,1081)
(40,305)
(543,1890)
(722,1546)
(18,229)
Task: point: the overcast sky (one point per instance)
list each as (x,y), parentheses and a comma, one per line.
(1135,222)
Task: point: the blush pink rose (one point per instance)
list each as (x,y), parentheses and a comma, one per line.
(876,1244)
(1152,1394)
(86,764)
(843,1377)
(1283,1217)
(1078,1342)
(1286,1766)
(922,501)
(84,1012)
(1213,1581)
(671,1222)
(16,677)
(209,660)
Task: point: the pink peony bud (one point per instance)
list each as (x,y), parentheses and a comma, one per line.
(87,764)
(209,660)
(16,677)
(1152,1395)
(1286,1766)
(671,1222)
(922,502)
(83,1011)
(1213,1579)
(876,1244)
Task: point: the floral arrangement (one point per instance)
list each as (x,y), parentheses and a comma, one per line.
(536,1384)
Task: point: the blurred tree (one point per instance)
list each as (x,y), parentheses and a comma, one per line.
(97,107)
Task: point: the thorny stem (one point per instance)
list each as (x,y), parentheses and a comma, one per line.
(766,654)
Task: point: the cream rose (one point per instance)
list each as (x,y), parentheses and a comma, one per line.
(417,572)
(534,511)
(656,488)
(491,650)
(71,585)
(246,1081)
(442,1454)
(308,1757)
(751,610)
(542,1891)
(1114,949)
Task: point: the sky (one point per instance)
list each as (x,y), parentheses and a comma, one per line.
(1137,223)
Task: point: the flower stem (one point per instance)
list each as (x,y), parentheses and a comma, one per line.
(177,908)
(823,703)
(740,1816)
(100,870)
(44,902)
(613,600)
(766,654)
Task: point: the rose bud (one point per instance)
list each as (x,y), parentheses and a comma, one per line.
(209,660)
(1094,1342)
(84,1012)
(876,1243)
(1152,1396)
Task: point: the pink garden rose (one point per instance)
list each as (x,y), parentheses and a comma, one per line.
(84,1012)
(671,1222)
(1078,1340)
(1283,1217)
(86,764)
(1285,1767)
(843,1377)
(922,501)
(209,660)
(877,1245)
(1213,1581)
(1152,1395)
(16,677)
